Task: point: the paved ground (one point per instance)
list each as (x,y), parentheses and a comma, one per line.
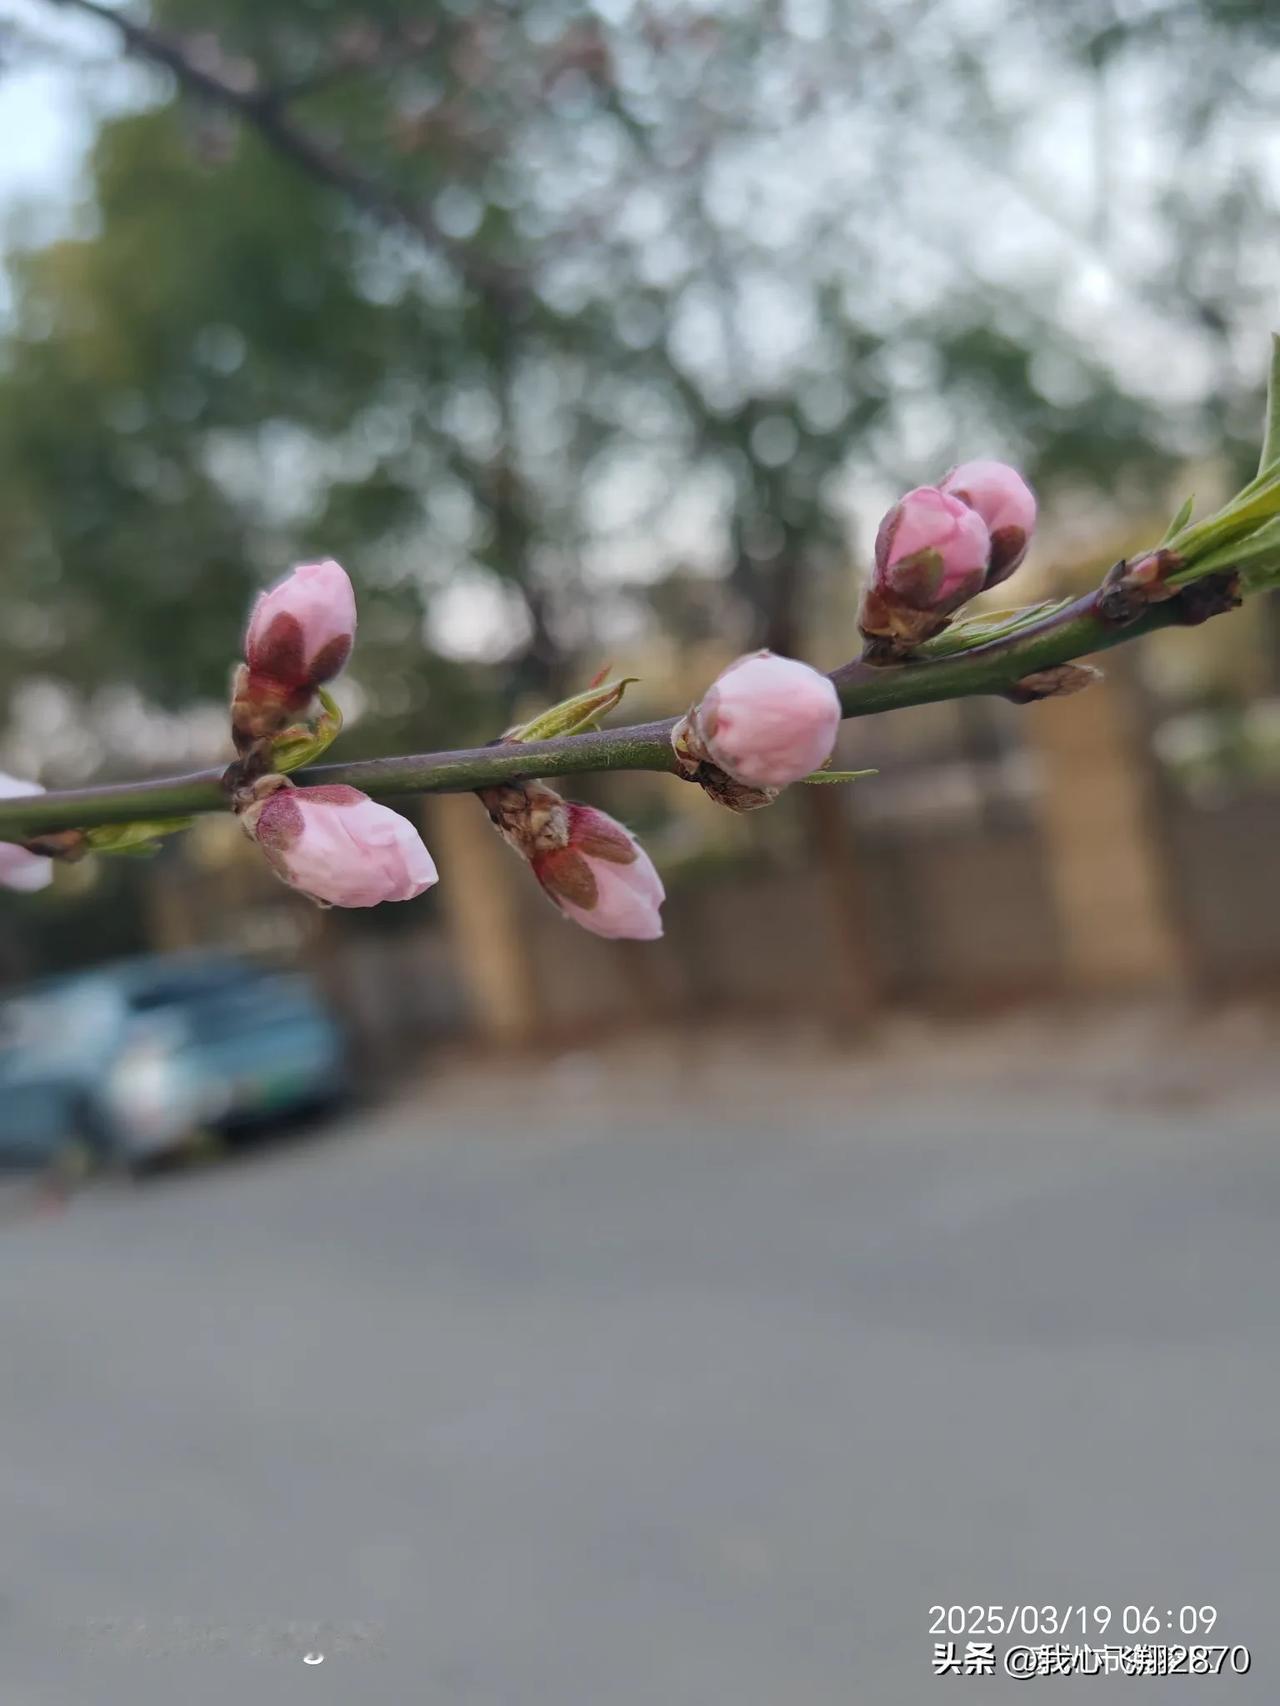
(650,1385)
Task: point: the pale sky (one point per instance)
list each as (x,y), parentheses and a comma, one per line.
(46,122)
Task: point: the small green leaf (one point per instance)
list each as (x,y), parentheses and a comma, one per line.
(1180,520)
(134,839)
(1257,556)
(837,775)
(995,625)
(1271,421)
(303,743)
(574,716)
(1259,501)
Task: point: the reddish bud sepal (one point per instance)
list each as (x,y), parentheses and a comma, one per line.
(263,707)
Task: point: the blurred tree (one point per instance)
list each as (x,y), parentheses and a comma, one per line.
(520,310)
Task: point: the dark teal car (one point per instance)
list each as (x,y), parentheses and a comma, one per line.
(132,1061)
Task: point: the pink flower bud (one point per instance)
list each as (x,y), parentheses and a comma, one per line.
(337,845)
(18,868)
(601,877)
(1005,502)
(931,551)
(766,720)
(301,631)
(931,557)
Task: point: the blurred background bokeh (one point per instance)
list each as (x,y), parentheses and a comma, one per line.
(606,333)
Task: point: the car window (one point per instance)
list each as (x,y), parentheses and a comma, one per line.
(223,1001)
(53,1026)
(181,986)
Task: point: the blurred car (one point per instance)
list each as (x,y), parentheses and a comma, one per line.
(133,1061)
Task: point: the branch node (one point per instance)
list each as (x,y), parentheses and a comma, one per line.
(1056,682)
(1212,596)
(1130,587)
(716,784)
(69,845)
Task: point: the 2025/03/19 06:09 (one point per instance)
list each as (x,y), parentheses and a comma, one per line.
(1147,1620)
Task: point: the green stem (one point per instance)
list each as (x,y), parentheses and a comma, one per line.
(1072,632)
(1066,634)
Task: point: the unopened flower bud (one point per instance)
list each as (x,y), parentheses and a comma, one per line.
(766,721)
(1006,504)
(301,631)
(589,864)
(337,845)
(20,869)
(299,636)
(931,557)
(602,878)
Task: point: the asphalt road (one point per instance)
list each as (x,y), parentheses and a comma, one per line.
(643,1403)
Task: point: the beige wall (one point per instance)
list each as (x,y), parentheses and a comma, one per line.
(1106,861)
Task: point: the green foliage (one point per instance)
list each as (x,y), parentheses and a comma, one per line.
(1269,460)
(575,715)
(136,839)
(304,743)
(970,631)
